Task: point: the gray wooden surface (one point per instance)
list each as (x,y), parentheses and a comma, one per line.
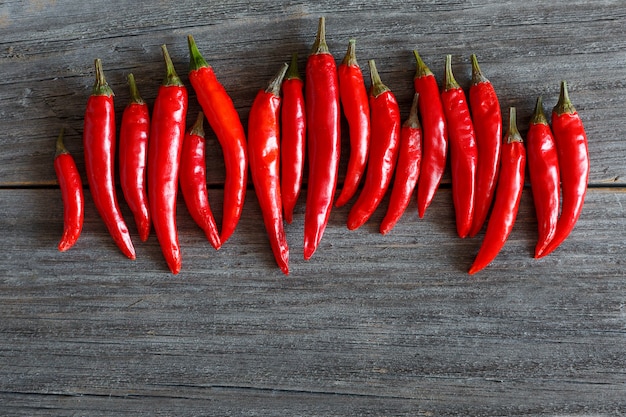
(371,325)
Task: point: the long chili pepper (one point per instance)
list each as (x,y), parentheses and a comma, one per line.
(99,149)
(133,154)
(264,152)
(354,102)
(571,145)
(292,151)
(223,118)
(487,120)
(463,152)
(407,169)
(435,135)
(324,134)
(72,194)
(385,140)
(543,170)
(507,199)
(192,179)
(167,131)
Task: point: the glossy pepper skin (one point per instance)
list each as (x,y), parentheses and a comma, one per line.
(167,130)
(573,153)
(264,152)
(435,135)
(487,120)
(385,140)
(407,169)
(463,152)
(543,170)
(71,188)
(507,199)
(223,118)
(355,105)
(323,139)
(193,185)
(293,141)
(99,148)
(133,155)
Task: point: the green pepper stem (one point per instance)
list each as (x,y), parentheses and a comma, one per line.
(449,80)
(421,69)
(564,105)
(377,85)
(196,61)
(198,127)
(539,117)
(320,46)
(413,120)
(293,73)
(350,58)
(171,78)
(135,97)
(100,87)
(512,134)
(60,146)
(477,75)
(277,81)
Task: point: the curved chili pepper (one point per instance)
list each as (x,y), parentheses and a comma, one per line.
(72,194)
(385,140)
(264,152)
(223,118)
(407,169)
(463,152)
(507,199)
(293,122)
(324,139)
(571,145)
(543,169)
(167,131)
(192,179)
(133,154)
(435,132)
(99,149)
(354,102)
(487,120)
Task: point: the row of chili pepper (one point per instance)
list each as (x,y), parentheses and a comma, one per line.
(287,121)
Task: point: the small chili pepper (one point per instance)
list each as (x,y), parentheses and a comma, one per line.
(463,152)
(192,179)
(264,152)
(324,139)
(354,102)
(293,122)
(571,145)
(543,169)
(407,169)
(99,149)
(72,194)
(167,131)
(223,118)
(133,153)
(507,199)
(487,120)
(435,135)
(385,140)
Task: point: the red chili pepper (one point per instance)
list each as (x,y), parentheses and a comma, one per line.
(385,140)
(543,169)
(293,121)
(507,199)
(324,139)
(72,194)
(463,152)
(223,118)
(354,102)
(264,152)
(407,169)
(192,179)
(133,154)
(167,131)
(99,149)
(487,120)
(435,132)
(571,145)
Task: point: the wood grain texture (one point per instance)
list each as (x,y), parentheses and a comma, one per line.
(371,325)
